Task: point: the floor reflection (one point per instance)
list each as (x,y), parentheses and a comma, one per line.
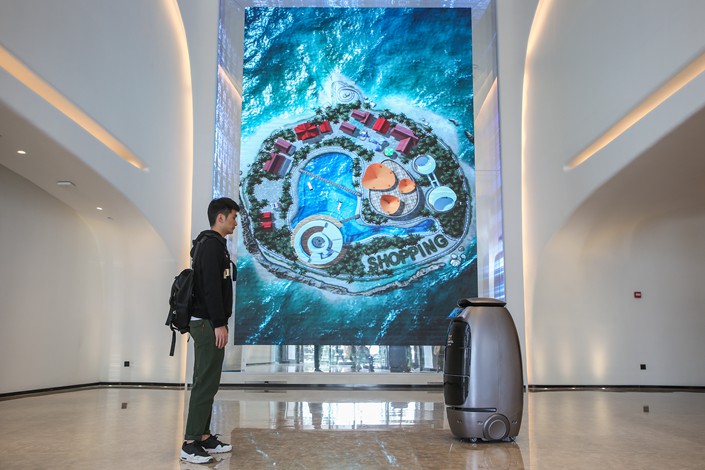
(351,430)
(406,448)
(339,428)
(350,416)
(495,455)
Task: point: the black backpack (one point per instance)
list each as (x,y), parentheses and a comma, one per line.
(181,299)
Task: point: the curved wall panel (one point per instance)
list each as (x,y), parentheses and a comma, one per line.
(126,66)
(588,65)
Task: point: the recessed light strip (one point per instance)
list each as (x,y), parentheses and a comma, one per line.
(668,89)
(34,82)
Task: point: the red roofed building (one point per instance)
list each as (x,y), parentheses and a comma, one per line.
(381,125)
(405,145)
(324,127)
(275,163)
(306,131)
(362,116)
(267,226)
(266,216)
(400,132)
(283,145)
(347,128)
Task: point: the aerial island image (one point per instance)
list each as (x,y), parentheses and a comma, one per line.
(357,176)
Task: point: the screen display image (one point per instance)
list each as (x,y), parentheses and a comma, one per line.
(357,175)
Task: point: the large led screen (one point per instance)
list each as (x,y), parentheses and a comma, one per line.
(357,175)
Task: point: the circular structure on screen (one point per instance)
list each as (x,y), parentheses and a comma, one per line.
(318,241)
(442,198)
(424,164)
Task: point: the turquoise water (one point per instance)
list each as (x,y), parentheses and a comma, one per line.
(411,55)
(354,231)
(319,197)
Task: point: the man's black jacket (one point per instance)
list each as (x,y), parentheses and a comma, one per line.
(214,274)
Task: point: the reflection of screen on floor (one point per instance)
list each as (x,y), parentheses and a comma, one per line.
(455,312)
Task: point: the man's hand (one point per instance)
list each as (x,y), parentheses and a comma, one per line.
(221,337)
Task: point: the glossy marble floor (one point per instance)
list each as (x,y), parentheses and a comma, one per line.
(140,428)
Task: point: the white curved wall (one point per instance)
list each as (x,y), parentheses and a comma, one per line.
(592,331)
(123,64)
(126,64)
(590,64)
(51,335)
(514,19)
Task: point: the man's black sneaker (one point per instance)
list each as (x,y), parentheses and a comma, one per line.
(194,453)
(213,446)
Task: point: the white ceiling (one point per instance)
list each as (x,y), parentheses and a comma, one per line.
(46,162)
(667,180)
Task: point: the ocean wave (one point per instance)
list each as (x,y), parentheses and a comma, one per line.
(403,51)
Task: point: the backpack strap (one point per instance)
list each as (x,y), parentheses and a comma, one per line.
(197,244)
(173,342)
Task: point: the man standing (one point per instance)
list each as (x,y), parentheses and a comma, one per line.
(213,303)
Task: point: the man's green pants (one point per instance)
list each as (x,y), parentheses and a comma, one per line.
(207,366)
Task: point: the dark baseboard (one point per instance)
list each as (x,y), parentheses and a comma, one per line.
(46,391)
(88,386)
(283,385)
(616,388)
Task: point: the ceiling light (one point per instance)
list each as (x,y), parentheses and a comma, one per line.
(651,102)
(21,152)
(16,68)
(66,184)
(99,208)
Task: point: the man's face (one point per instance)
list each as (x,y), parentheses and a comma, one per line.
(230,222)
(225,224)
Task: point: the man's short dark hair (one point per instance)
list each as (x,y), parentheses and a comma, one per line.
(222,205)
